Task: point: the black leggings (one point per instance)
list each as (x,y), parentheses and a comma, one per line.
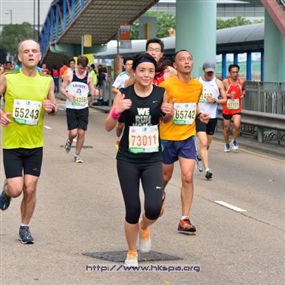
(150,175)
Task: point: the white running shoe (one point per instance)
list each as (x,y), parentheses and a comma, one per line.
(132,259)
(144,240)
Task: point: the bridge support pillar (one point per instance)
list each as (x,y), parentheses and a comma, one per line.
(196,30)
(274,56)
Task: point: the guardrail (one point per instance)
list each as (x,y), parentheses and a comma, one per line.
(263,114)
(261,121)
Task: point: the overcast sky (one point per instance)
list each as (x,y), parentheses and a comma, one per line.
(23,11)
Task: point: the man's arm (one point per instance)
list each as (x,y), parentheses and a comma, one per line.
(2,88)
(50,103)
(66,81)
(223,95)
(4,120)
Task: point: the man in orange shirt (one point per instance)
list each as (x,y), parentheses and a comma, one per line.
(178,136)
(62,70)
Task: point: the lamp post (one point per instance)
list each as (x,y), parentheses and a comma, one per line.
(10,12)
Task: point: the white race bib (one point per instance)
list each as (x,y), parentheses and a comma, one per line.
(206,93)
(185,113)
(26,112)
(233,104)
(143,139)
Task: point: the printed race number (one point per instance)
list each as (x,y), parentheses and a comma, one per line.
(26,112)
(143,139)
(233,104)
(185,113)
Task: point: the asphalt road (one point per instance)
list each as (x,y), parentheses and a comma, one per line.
(239,215)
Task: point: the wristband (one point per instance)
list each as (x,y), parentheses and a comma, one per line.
(115,115)
(198,115)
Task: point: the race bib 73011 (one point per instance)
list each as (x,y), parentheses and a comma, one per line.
(143,139)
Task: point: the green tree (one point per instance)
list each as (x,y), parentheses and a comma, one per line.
(164,21)
(12,34)
(232,22)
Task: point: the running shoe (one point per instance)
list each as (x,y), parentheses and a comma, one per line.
(208,174)
(25,236)
(162,203)
(117,145)
(67,146)
(227,148)
(199,165)
(186,227)
(78,159)
(4,198)
(234,145)
(132,259)
(144,240)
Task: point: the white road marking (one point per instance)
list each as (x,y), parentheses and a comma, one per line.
(61,107)
(232,207)
(47,127)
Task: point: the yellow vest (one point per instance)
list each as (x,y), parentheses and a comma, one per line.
(25,95)
(183,92)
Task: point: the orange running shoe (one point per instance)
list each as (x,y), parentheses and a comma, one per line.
(186,227)
(144,240)
(132,259)
(117,145)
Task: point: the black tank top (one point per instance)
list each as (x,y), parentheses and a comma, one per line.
(76,79)
(145,111)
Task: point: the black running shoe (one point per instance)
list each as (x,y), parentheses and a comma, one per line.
(208,174)
(4,198)
(25,236)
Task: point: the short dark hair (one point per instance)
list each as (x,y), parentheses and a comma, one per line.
(83,60)
(174,57)
(233,66)
(127,59)
(145,57)
(71,60)
(156,41)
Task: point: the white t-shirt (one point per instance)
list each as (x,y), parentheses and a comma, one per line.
(120,80)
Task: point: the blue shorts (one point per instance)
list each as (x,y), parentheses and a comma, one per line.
(171,150)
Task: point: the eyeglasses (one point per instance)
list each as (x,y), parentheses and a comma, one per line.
(154,49)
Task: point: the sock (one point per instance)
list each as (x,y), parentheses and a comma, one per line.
(184,217)
(24,225)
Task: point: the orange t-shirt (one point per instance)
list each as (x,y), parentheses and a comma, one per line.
(186,94)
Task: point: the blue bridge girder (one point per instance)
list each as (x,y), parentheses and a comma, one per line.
(68,20)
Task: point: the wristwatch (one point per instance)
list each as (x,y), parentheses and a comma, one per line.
(215,101)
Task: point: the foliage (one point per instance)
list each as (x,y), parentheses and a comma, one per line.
(13,34)
(233,22)
(164,21)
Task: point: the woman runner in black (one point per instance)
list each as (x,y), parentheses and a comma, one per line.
(143,106)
